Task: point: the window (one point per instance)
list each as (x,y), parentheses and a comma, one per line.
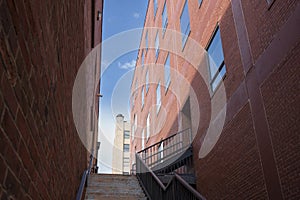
(164,18)
(136,85)
(158,99)
(143,59)
(167,72)
(156,45)
(132,99)
(134,92)
(125,160)
(143,94)
(270,2)
(148,126)
(155,7)
(135,122)
(146,41)
(147,81)
(126,134)
(217,66)
(143,139)
(126,148)
(134,126)
(185,23)
(200,2)
(132,132)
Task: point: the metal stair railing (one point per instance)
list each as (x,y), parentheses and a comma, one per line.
(167,148)
(177,188)
(84,179)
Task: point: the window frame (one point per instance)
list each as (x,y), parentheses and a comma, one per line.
(143,97)
(200,3)
(143,59)
(158,101)
(168,81)
(143,139)
(155,7)
(157,47)
(126,148)
(164,25)
(134,125)
(126,136)
(146,41)
(220,67)
(147,81)
(270,3)
(134,93)
(185,35)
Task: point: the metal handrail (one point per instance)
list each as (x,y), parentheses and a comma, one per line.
(84,179)
(176,188)
(157,143)
(171,146)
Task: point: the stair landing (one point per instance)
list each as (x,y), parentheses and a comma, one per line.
(112,186)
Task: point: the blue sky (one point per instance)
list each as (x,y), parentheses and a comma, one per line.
(119,18)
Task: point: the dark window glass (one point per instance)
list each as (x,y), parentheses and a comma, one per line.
(126,134)
(164,18)
(126,148)
(185,23)
(217,66)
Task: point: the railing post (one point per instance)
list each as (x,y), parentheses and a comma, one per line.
(190,133)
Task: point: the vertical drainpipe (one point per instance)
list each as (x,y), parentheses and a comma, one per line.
(93,25)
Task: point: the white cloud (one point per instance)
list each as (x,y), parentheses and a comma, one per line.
(127,65)
(136,15)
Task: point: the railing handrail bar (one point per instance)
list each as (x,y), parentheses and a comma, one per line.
(163,140)
(158,152)
(176,176)
(81,186)
(152,173)
(190,188)
(85,175)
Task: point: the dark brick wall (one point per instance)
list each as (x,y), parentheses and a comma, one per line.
(266,22)
(42,46)
(232,169)
(280,92)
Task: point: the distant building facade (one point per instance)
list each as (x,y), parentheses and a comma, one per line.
(121,154)
(229,71)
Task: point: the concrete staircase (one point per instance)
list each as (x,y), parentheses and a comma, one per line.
(115,187)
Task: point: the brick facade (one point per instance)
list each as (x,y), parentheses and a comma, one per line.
(42,45)
(256,155)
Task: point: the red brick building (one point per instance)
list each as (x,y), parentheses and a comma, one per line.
(43,44)
(233,79)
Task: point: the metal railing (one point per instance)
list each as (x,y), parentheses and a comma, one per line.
(84,179)
(177,188)
(133,169)
(167,148)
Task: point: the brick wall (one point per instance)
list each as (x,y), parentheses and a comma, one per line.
(232,169)
(256,156)
(281,97)
(42,46)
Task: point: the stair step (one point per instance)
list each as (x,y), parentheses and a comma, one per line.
(113,197)
(114,191)
(112,186)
